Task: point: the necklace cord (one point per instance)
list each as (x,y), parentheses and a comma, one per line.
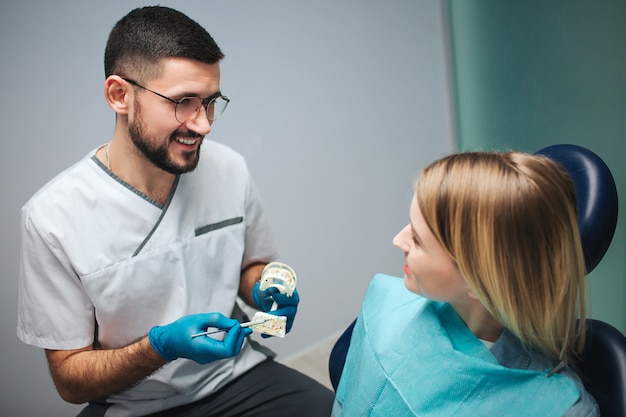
(106,153)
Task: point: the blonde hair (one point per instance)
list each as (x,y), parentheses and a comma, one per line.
(509,222)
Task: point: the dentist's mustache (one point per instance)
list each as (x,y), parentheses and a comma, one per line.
(187,135)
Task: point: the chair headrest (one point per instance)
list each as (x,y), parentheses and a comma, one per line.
(597,197)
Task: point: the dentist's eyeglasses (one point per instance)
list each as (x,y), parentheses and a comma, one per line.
(187,108)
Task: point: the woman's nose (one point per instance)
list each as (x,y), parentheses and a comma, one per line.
(401,240)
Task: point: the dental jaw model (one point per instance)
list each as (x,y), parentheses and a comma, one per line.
(282,277)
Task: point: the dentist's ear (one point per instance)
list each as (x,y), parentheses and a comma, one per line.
(116,94)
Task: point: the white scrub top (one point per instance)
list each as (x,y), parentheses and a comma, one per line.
(101,263)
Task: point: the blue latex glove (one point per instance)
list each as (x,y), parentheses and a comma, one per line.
(174,340)
(287,306)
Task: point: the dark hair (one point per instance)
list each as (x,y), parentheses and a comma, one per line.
(141,39)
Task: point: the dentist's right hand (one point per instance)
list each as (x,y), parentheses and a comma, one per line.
(174,340)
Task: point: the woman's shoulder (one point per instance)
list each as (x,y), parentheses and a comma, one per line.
(512,353)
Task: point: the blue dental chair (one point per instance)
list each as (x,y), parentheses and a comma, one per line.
(603,363)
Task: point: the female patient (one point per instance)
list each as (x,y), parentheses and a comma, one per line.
(493,252)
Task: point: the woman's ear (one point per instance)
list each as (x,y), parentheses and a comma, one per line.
(116,93)
(471,294)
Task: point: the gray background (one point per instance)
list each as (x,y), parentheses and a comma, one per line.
(335,104)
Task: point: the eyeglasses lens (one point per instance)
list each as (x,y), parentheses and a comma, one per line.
(188,108)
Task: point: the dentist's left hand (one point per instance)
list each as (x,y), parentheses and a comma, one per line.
(286,305)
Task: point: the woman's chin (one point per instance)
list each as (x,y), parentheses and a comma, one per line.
(410,285)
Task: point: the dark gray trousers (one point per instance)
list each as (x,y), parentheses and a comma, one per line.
(268,390)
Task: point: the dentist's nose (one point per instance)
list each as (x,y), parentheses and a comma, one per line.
(200,124)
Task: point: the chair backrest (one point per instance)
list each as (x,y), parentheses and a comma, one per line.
(603,364)
(338,355)
(603,367)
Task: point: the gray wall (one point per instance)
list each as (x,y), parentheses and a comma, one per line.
(336,105)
